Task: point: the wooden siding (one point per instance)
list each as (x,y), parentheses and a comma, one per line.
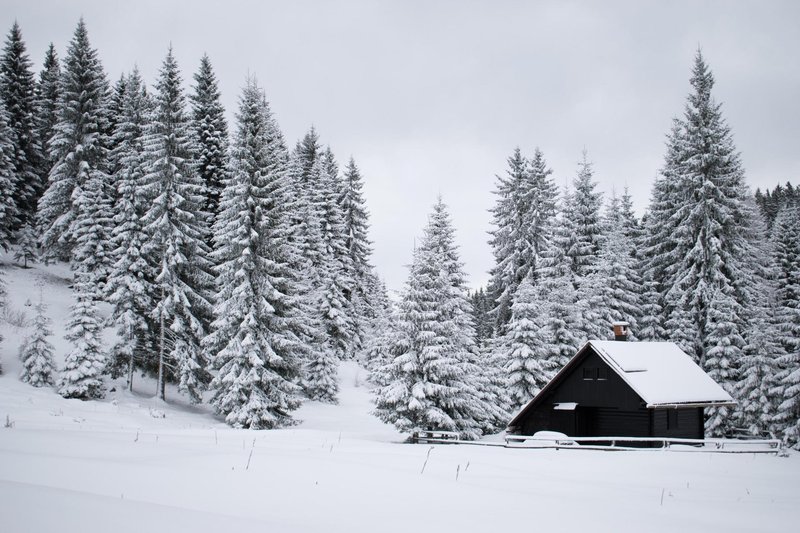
(685,422)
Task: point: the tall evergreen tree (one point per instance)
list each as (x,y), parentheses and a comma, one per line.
(17,89)
(582,210)
(523,349)
(698,240)
(78,145)
(613,288)
(522,216)
(786,239)
(175,225)
(47,94)
(130,286)
(211,134)
(257,349)
(697,203)
(433,380)
(8,205)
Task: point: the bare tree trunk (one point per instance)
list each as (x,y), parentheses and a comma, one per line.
(161,349)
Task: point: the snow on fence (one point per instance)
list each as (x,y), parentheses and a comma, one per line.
(646,443)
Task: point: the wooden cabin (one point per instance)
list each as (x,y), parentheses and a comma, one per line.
(624,389)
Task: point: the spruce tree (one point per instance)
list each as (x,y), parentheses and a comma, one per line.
(175,225)
(27,241)
(211,134)
(612,289)
(523,349)
(356,223)
(786,240)
(430,382)
(85,364)
(508,245)
(8,206)
(78,145)
(130,286)
(17,89)
(698,232)
(582,210)
(37,351)
(255,340)
(47,93)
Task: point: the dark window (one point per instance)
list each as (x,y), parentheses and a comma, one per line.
(602,373)
(589,373)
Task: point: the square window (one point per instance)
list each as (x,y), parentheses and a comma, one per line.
(602,373)
(589,373)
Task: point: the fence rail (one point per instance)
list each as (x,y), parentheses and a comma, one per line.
(630,443)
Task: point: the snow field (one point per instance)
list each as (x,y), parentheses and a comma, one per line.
(132,463)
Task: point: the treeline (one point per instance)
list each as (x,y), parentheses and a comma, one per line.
(231,262)
(700,268)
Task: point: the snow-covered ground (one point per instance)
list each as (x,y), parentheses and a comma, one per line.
(131,463)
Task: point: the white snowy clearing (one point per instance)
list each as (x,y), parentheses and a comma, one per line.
(130,463)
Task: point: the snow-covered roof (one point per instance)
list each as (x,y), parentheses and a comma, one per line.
(661,373)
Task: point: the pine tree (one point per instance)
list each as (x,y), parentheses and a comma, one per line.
(612,289)
(17,89)
(78,145)
(698,232)
(356,223)
(562,311)
(211,134)
(47,94)
(528,365)
(255,340)
(130,284)
(356,241)
(430,381)
(506,238)
(336,268)
(85,364)
(582,211)
(175,225)
(786,240)
(37,352)
(8,206)
(26,245)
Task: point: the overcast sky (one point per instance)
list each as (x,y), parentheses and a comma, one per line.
(432,97)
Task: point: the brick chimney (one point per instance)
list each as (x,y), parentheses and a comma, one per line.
(621,330)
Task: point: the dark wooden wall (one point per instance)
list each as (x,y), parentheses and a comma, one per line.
(686,423)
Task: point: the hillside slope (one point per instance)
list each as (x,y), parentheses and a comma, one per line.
(132,463)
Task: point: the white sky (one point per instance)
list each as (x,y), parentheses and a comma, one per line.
(432,97)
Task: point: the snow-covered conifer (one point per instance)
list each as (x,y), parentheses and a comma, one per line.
(211,134)
(78,146)
(256,345)
(130,281)
(523,349)
(786,241)
(612,289)
(176,226)
(27,242)
(37,351)
(47,109)
(430,382)
(85,364)
(582,211)
(17,90)
(698,230)
(8,206)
